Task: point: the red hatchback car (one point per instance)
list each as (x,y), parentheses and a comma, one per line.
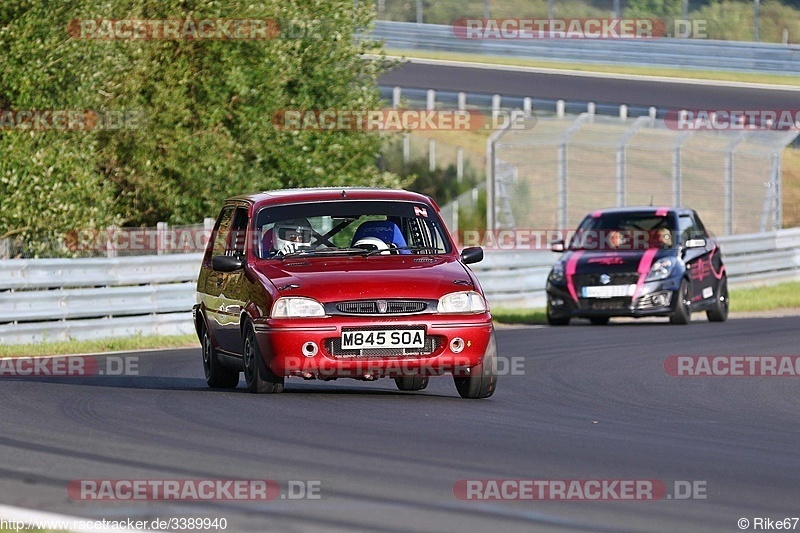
(334,283)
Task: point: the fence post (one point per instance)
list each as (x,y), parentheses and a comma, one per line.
(161,237)
(496,103)
(728,192)
(459,164)
(623,112)
(431,105)
(560,108)
(491,174)
(462,101)
(397,95)
(526,106)
(590,108)
(111,241)
(562,186)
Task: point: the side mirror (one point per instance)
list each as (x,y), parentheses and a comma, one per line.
(226,263)
(557,246)
(696,243)
(473,254)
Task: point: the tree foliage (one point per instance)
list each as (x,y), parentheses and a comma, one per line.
(206,106)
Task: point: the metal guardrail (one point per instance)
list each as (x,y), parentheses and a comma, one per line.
(62,299)
(701,54)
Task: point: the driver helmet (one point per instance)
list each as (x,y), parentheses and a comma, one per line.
(289,235)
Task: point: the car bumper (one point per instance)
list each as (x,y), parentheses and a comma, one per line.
(655,298)
(312,347)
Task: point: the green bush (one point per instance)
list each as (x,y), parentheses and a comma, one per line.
(207,106)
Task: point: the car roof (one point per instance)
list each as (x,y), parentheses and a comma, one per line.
(322,194)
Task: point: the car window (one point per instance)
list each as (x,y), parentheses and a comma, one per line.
(223,230)
(624,231)
(688,228)
(236,244)
(351,227)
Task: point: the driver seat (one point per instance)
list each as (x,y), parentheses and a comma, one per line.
(385,230)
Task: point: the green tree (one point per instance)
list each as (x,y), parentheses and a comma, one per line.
(207,108)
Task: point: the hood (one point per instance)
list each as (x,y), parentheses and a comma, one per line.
(605,261)
(353,278)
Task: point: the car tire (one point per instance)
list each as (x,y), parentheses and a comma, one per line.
(411,383)
(257,374)
(481,381)
(719,311)
(599,320)
(556,320)
(683,309)
(218,376)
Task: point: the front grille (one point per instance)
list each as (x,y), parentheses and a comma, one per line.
(334,347)
(606,304)
(617,278)
(372,307)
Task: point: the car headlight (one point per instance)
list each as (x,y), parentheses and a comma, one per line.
(296,307)
(661,269)
(462,302)
(557,274)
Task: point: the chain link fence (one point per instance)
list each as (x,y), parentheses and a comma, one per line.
(551,172)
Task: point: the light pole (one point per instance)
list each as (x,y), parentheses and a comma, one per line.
(756,4)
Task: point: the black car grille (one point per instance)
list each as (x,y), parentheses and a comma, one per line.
(606,304)
(617,278)
(373,307)
(334,347)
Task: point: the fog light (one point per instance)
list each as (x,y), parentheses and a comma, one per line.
(557,301)
(457,345)
(310,349)
(660,299)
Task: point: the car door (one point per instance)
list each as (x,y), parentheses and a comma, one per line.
(230,286)
(212,289)
(697,259)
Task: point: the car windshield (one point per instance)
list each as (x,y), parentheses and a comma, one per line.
(349,227)
(624,231)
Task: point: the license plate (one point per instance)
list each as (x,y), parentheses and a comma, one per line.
(394,338)
(608,291)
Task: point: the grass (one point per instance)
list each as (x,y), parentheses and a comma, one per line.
(121,344)
(519,316)
(782,296)
(773,79)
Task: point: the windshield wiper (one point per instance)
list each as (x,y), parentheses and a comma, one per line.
(393,251)
(321,251)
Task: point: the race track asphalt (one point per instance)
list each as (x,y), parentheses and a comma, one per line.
(661,94)
(592,402)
